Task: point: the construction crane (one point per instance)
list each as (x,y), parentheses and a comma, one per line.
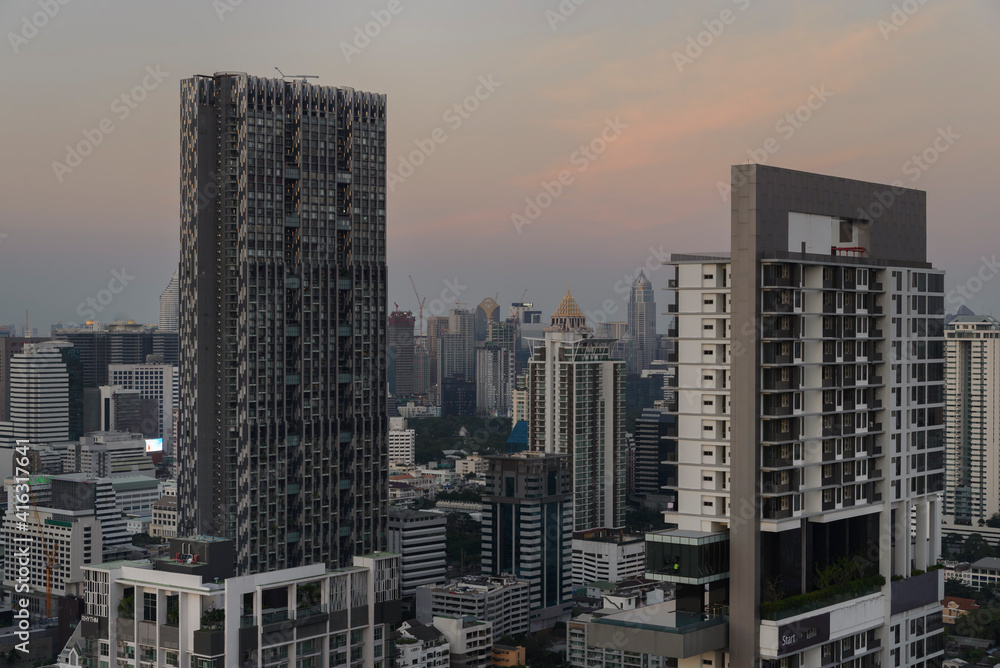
(48,551)
(522,295)
(303,77)
(396,305)
(420,304)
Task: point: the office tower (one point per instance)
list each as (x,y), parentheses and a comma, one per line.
(641,324)
(457,347)
(458,397)
(528,322)
(488,311)
(656,456)
(809,433)
(118,343)
(39,395)
(972,417)
(618,331)
(77,523)
(421,366)
(402,442)
(418,537)
(169,305)
(437,325)
(112,408)
(9,346)
(282,425)
(494,379)
(576,394)
(156,382)
(528,529)
(402,378)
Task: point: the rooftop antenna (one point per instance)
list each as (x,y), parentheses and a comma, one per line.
(303,77)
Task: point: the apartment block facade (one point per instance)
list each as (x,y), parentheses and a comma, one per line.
(973,418)
(810,432)
(283,414)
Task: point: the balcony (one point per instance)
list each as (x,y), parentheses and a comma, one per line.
(823,598)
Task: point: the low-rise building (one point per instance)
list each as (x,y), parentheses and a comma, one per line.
(507,655)
(138,523)
(135,493)
(986,571)
(503,601)
(474,464)
(607,555)
(470,640)
(189,610)
(164,517)
(421,646)
(955,607)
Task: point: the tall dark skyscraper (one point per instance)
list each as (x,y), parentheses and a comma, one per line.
(402,377)
(282,417)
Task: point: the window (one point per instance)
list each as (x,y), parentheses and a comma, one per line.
(786,271)
(149,608)
(786,374)
(785,426)
(785,402)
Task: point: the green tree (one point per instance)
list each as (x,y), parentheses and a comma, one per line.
(951,544)
(975,548)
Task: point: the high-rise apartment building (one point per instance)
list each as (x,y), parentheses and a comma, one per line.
(810,434)
(283,416)
(973,418)
(486,312)
(577,408)
(528,531)
(402,372)
(169,305)
(641,349)
(494,379)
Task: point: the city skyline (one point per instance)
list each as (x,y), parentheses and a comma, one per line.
(653,191)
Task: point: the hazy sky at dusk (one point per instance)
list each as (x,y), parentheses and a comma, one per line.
(652,191)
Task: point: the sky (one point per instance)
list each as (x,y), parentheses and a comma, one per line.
(589,141)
